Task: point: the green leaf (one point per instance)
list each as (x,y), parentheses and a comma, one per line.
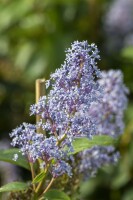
(120,180)
(14,186)
(127,52)
(128,195)
(7,156)
(56,195)
(39,177)
(81,144)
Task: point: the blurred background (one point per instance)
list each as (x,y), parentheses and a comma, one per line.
(33,37)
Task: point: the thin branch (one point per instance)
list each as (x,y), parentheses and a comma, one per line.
(40,91)
(40,184)
(47,188)
(32,174)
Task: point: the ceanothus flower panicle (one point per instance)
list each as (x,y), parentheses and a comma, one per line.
(81,102)
(64,111)
(96,157)
(36,146)
(109,113)
(73,88)
(118,24)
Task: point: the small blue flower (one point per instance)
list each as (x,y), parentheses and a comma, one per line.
(15,157)
(60,168)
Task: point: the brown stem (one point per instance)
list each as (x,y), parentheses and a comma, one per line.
(40,91)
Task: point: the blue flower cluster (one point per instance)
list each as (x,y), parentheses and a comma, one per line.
(109,113)
(93,159)
(81,102)
(64,111)
(37,146)
(73,89)
(109,117)
(119,27)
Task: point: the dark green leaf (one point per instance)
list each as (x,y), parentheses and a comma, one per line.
(56,195)
(39,177)
(81,144)
(14,186)
(7,156)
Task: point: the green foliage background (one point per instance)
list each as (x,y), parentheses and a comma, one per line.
(33,37)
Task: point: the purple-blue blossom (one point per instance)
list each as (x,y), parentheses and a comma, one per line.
(15,157)
(82,102)
(73,88)
(96,157)
(36,146)
(61,167)
(118,24)
(110,112)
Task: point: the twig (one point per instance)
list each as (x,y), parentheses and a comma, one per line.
(47,188)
